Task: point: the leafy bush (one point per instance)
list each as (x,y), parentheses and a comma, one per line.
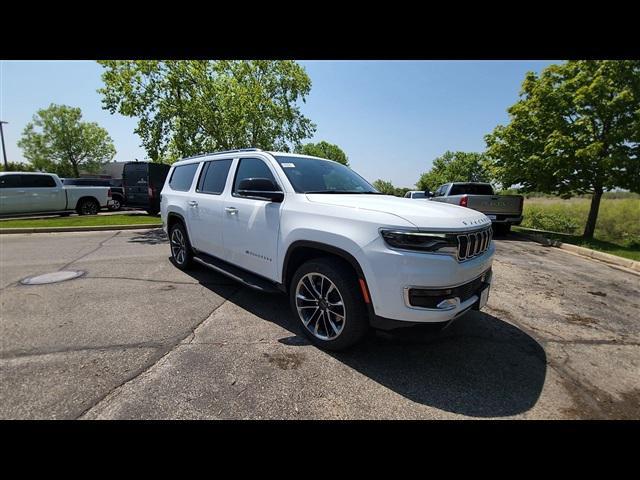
(553,221)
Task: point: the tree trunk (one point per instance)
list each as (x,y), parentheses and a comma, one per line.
(590,227)
(76,172)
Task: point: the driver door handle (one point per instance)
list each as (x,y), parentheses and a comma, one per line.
(193,203)
(231,210)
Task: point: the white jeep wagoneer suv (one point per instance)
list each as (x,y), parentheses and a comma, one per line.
(347,256)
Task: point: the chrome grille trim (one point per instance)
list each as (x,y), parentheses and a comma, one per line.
(472,244)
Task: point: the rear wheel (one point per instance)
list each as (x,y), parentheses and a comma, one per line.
(180,248)
(153,211)
(326,298)
(88,206)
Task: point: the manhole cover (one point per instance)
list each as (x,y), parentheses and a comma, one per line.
(53,277)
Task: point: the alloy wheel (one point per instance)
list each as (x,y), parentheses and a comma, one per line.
(178,246)
(320,306)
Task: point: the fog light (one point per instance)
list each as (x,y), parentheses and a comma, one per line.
(448,304)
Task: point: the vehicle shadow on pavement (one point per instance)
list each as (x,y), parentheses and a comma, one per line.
(151,237)
(480,366)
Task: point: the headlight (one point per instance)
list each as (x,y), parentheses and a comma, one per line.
(421,241)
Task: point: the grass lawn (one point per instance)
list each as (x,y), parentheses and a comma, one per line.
(617,229)
(82,221)
(600,245)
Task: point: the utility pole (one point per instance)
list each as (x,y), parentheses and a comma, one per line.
(4,150)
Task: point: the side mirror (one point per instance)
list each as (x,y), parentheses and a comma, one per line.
(428,194)
(260,188)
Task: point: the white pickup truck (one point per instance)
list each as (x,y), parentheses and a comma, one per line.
(25,193)
(347,256)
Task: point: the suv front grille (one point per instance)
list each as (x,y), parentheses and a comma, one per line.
(472,244)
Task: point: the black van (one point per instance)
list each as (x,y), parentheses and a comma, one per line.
(143,182)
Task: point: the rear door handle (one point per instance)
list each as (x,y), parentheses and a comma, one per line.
(193,203)
(231,210)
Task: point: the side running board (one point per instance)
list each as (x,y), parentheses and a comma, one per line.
(249,279)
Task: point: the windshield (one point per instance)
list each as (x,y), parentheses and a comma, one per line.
(314,175)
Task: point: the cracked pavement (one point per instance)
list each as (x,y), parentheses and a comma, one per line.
(135,338)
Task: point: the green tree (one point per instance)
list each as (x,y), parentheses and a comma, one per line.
(384,187)
(187,107)
(58,141)
(455,167)
(401,191)
(575,130)
(17,167)
(324,150)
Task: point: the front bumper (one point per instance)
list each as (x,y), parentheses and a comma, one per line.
(391,274)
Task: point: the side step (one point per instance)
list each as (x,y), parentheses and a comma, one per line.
(238,274)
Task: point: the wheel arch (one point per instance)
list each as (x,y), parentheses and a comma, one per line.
(173,217)
(87,197)
(303,250)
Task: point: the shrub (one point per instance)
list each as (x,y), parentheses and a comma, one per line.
(540,219)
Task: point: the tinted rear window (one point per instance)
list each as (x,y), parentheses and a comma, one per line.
(471,189)
(182,177)
(214,176)
(38,181)
(135,174)
(417,195)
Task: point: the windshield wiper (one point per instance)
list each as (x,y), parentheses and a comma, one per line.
(343,192)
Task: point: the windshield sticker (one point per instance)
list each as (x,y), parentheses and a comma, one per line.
(288,165)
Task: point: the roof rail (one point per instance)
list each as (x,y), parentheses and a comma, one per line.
(237,150)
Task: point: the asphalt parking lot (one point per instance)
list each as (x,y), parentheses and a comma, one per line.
(135,338)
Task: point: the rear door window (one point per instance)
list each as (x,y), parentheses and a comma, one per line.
(214,176)
(182,177)
(38,181)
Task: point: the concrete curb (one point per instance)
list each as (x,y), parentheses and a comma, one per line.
(96,228)
(632,265)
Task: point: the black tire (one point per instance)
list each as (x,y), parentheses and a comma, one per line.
(183,261)
(88,206)
(116,204)
(502,229)
(153,211)
(355,322)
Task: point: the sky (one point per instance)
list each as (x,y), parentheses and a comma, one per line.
(392,118)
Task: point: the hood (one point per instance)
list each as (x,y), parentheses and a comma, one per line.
(424,214)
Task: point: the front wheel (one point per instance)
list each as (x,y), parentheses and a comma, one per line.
(326,298)
(88,206)
(115,205)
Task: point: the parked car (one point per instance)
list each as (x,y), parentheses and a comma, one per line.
(347,256)
(26,192)
(502,210)
(415,194)
(143,183)
(117,192)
